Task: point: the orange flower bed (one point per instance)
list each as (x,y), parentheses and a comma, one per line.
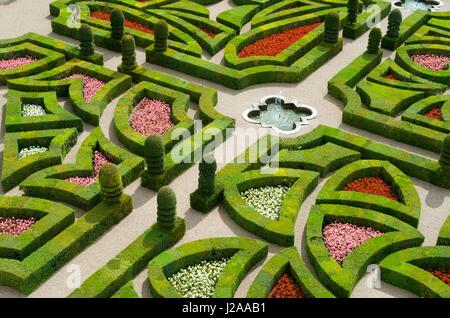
(276,43)
(210,33)
(392,77)
(434,113)
(441,273)
(105,16)
(372,185)
(286,287)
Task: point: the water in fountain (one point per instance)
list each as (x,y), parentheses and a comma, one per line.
(418,4)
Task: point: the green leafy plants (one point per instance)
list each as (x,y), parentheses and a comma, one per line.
(394,21)
(86,40)
(207,175)
(154,154)
(352,10)
(117,20)
(128,53)
(161,35)
(374,41)
(444,159)
(332,27)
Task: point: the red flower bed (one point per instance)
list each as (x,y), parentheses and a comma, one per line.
(372,185)
(14,226)
(103,15)
(98,161)
(286,287)
(275,43)
(441,273)
(210,33)
(392,77)
(435,113)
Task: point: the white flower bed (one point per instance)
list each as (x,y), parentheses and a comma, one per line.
(198,281)
(266,200)
(25,152)
(30,110)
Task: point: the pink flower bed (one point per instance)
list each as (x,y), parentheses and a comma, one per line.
(434,62)
(151,117)
(342,238)
(6,64)
(99,160)
(14,226)
(90,85)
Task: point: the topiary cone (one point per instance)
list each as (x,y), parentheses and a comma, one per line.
(444,160)
(128,53)
(373,46)
(352,10)
(394,21)
(86,40)
(167,207)
(117,20)
(154,154)
(332,27)
(161,35)
(207,175)
(110,183)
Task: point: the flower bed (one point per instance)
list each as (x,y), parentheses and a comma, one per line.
(275,43)
(32,150)
(286,287)
(435,113)
(151,117)
(15,226)
(31,110)
(90,85)
(392,77)
(266,200)
(198,281)
(210,33)
(441,273)
(7,64)
(433,62)
(342,238)
(372,185)
(103,15)
(98,161)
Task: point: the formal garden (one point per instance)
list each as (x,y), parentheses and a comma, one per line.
(213,149)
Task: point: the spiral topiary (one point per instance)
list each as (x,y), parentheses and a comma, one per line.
(444,160)
(394,21)
(352,9)
(207,174)
(161,34)
(128,53)
(167,207)
(373,46)
(154,154)
(110,180)
(117,20)
(86,40)
(332,27)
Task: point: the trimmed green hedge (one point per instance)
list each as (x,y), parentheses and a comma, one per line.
(133,140)
(51,219)
(244,252)
(444,233)
(407,210)
(237,17)
(46,59)
(113,277)
(287,261)
(53,80)
(56,116)
(28,274)
(281,231)
(341,279)
(406,269)
(58,142)
(50,184)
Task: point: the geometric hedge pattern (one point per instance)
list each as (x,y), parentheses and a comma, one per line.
(393,108)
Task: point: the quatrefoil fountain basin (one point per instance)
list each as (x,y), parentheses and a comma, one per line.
(430,5)
(282,115)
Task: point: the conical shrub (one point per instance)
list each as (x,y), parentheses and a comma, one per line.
(154,154)
(110,183)
(394,21)
(207,175)
(128,53)
(167,207)
(332,27)
(86,40)
(373,46)
(444,160)
(352,10)
(117,20)
(161,35)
